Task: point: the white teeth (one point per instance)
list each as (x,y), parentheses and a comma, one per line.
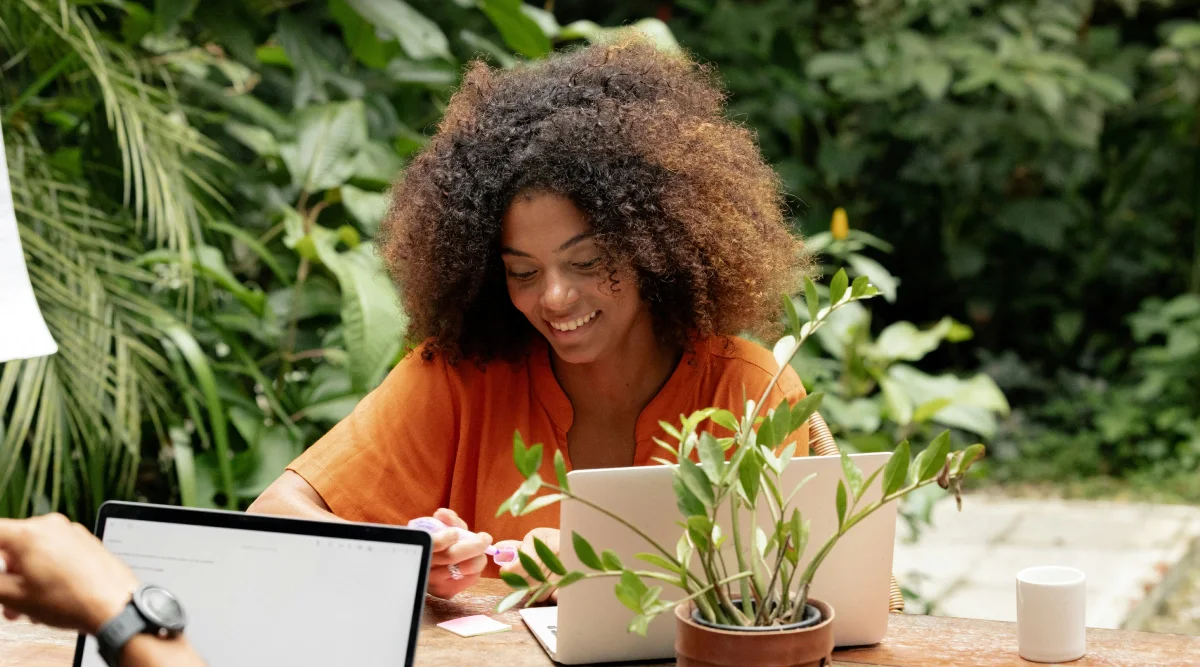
(575,324)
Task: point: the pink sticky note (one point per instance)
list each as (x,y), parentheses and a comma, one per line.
(473,626)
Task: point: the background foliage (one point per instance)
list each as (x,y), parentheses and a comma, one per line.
(197,183)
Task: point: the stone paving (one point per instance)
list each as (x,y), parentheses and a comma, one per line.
(966,564)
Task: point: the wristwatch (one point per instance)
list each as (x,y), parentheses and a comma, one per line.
(153,610)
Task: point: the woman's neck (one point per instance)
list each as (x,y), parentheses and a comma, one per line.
(627,381)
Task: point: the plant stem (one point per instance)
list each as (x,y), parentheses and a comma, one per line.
(737,550)
(762,609)
(649,540)
(811,570)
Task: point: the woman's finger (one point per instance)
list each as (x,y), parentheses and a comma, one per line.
(462,549)
(443,540)
(473,566)
(450,518)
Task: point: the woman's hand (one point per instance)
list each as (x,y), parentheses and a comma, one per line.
(547,535)
(59,574)
(457,562)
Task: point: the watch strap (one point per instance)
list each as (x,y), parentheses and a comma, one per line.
(115,634)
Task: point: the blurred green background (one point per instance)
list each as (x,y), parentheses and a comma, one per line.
(197,183)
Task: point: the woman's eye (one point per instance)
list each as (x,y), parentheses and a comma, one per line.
(590,264)
(521,275)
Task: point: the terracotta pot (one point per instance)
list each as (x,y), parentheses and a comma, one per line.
(703,645)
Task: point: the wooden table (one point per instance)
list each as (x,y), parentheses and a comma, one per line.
(911,641)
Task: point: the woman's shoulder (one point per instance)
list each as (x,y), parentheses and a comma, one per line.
(426,363)
(740,360)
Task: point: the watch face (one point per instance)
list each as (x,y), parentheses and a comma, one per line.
(160,607)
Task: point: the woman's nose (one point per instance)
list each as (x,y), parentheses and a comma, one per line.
(559,294)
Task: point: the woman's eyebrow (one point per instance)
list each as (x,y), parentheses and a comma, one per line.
(574,241)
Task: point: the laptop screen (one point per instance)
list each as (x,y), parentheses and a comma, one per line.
(256,598)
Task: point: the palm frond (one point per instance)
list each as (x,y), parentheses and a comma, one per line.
(156,141)
(73,425)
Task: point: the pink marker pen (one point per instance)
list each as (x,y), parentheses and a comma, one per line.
(500,555)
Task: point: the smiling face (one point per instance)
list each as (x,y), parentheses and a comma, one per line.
(557,278)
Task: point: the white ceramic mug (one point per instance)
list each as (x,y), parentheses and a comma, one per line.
(1051,623)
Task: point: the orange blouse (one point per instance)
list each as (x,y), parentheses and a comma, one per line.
(435,435)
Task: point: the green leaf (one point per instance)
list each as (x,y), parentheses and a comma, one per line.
(370,315)
(837,287)
(969,456)
(796,530)
(899,405)
(191,351)
(362,38)
(507,505)
(531,567)
(699,528)
(725,419)
(659,561)
(610,560)
(696,481)
(904,341)
(584,552)
(879,278)
(630,590)
(812,299)
(571,578)
(169,12)
(420,37)
(365,207)
(685,500)
(712,457)
(895,473)
(933,76)
(519,31)
(766,436)
(854,476)
(859,286)
(328,138)
(804,408)
(560,470)
(540,502)
(683,550)
(793,318)
(929,409)
(533,458)
(830,63)
(258,139)
(935,457)
(514,580)
(749,474)
(841,503)
(510,601)
(548,557)
(519,457)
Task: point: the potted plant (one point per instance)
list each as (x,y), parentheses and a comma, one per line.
(730,613)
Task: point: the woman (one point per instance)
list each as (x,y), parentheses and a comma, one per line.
(575,247)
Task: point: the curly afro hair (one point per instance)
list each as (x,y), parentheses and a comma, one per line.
(637,139)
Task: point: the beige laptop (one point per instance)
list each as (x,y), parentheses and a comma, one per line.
(590,624)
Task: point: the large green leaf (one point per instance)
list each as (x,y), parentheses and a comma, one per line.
(374,324)
(361,36)
(904,341)
(876,274)
(519,31)
(420,37)
(328,139)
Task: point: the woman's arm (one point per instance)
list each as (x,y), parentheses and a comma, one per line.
(292,495)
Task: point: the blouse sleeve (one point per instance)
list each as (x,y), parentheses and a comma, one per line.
(392,458)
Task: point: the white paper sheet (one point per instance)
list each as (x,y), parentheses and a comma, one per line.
(23,332)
